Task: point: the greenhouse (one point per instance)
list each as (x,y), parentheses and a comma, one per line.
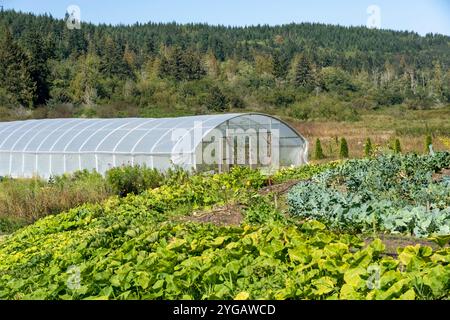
(211,142)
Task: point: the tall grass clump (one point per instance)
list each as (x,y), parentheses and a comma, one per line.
(23,201)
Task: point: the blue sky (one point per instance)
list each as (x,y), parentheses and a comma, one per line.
(422,16)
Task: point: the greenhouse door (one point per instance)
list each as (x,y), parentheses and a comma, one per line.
(227,154)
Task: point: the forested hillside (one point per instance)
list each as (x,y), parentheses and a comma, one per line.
(305,71)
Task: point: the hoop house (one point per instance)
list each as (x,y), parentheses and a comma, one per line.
(56,146)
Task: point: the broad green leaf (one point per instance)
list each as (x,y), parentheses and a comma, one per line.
(348,292)
(408,295)
(352,277)
(437,279)
(323,285)
(242,296)
(158,284)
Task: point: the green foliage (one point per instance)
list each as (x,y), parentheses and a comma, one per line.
(262,211)
(343,149)
(137,248)
(113,63)
(324,107)
(84,87)
(124,250)
(391,193)
(305,172)
(9,224)
(133,179)
(318,155)
(304,73)
(216,101)
(145,68)
(22,201)
(368,148)
(182,65)
(397,147)
(15,71)
(336,80)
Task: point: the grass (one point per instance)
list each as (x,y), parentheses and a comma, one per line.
(383,127)
(23,201)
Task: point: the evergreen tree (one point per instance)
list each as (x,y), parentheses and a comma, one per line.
(368,148)
(130,57)
(39,54)
(84,86)
(15,71)
(343,149)
(182,65)
(304,73)
(397,146)
(280,65)
(318,151)
(113,62)
(216,101)
(212,65)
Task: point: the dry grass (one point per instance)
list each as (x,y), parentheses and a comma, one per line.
(381,127)
(23,201)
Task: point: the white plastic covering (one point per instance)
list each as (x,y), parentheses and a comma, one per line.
(56,146)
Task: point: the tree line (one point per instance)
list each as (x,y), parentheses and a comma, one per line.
(304,70)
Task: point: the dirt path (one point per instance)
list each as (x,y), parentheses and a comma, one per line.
(280,188)
(392,242)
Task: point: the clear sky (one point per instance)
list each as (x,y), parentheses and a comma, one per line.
(422,16)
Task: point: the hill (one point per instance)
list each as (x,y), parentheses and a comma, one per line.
(48,70)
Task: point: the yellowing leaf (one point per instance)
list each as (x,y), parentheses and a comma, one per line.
(176,243)
(408,295)
(352,277)
(324,285)
(348,292)
(242,296)
(218,241)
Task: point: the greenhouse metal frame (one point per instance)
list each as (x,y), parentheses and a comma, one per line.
(52,147)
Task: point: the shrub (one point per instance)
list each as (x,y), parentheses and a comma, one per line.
(324,107)
(397,146)
(319,152)
(133,179)
(216,101)
(368,148)
(343,150)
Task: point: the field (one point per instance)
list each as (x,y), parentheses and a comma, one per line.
(367,219)
(375,228)
(382,127)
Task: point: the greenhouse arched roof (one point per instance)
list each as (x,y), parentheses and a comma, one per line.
(57,146)
(122,135)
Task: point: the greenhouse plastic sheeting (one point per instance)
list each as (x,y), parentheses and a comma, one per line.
(56,146)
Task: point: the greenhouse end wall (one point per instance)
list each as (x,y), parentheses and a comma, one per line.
(51,147)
